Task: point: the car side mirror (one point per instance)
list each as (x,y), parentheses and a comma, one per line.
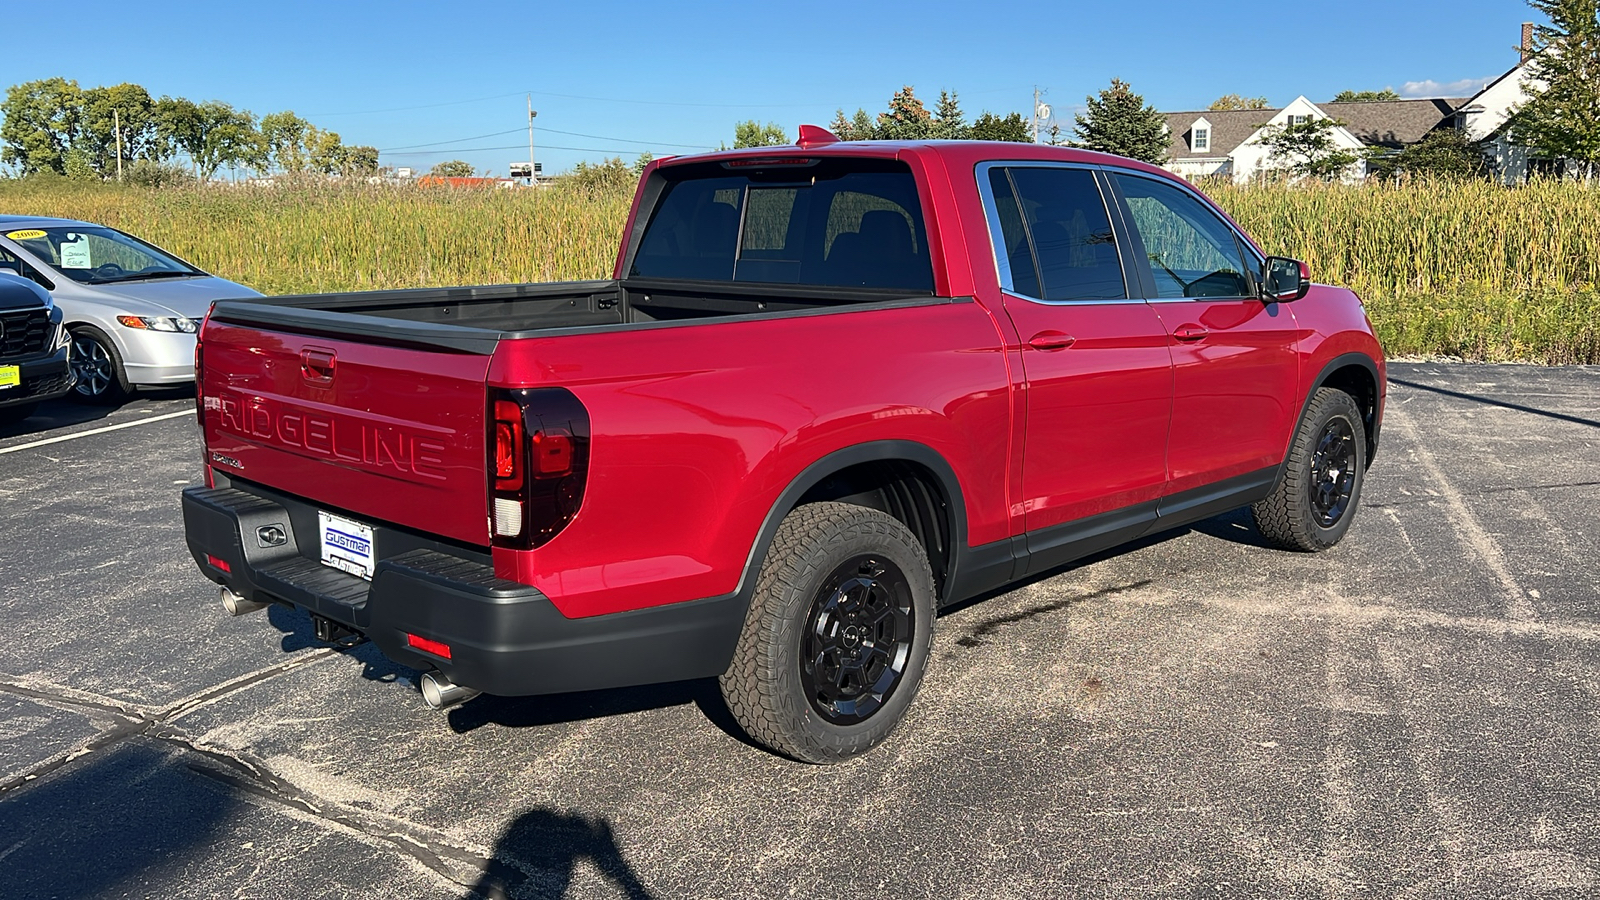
(1284,279)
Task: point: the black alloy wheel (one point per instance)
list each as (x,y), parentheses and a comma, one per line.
(1333,475)
(858,639)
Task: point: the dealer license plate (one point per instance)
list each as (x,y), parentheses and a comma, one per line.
(346,545)
(10,377)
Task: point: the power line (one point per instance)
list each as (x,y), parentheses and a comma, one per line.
(601,137)
(368,112)
(516,147)
(476,137)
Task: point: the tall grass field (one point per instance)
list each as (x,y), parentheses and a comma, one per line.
(1466,269)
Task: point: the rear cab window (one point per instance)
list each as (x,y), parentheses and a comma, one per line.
(835,222)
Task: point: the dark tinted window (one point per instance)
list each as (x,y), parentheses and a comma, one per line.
(1192,252)
(1073,242)
(845,223)
(1014,236)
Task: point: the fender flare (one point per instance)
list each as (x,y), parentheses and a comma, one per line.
(1343,360)
(873,451)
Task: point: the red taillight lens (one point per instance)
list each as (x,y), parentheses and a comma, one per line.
(540,465)
(437,648)
(219,563)
(508,431)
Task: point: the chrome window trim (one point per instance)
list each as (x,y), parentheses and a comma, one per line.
(1002,257)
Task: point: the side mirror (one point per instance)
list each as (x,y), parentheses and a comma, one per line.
(1284,279)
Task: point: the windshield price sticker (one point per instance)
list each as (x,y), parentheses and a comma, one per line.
(76,255)
(346,545)
(26,234)
(10,377)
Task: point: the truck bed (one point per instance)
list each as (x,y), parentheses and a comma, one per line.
(476,319)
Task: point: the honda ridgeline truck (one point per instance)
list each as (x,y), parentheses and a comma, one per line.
(828,390)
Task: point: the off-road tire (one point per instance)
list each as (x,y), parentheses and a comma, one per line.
(1295,516)
(766,685)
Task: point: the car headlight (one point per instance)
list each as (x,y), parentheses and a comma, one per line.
(160,323)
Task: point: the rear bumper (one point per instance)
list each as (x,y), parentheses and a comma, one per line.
(43,378)
(504,637)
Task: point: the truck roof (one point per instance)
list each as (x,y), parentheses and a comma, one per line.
(954,153)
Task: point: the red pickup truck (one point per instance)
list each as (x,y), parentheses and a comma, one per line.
(829,389)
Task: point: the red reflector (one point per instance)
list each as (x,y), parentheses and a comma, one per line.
(219,563)
(437,648)
(552,453)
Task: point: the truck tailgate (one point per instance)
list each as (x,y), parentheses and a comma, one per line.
(394,433)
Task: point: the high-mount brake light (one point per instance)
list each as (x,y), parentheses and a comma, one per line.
(769,161)
(540,464)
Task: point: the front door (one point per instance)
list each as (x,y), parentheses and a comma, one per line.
(1096,365)
(1235,369)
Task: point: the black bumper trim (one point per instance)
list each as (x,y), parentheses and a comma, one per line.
(505,638)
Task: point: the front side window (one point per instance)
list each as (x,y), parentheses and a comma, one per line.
(1192,252)
(1069,241)
(840,223)
(92,254)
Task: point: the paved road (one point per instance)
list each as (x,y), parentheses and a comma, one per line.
(1412,714)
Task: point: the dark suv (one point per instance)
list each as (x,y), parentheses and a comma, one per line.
(33,349)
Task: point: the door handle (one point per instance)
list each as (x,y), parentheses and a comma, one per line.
(1051,340)
(1190,333)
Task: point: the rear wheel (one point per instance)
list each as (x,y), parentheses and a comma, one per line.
(98,367)
(1314,502)
(837,636)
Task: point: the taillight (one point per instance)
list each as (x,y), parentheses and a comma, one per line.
(540,464)
(199,391)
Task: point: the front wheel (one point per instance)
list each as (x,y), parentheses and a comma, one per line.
(837,636)
(98,367)
(1315,500)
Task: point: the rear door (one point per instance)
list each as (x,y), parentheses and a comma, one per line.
(391,433)
(1235,370)
(1098,372)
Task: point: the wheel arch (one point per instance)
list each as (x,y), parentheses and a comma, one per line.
(1357,375)
(907,480)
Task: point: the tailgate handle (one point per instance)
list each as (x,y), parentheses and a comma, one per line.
(316,365)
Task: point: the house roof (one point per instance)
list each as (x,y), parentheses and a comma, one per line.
(1387,123)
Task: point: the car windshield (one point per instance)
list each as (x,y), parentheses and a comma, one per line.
(94,254)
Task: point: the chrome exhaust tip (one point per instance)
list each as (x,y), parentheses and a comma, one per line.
(237,605)
(440,692)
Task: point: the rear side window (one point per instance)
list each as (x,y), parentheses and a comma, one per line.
(841,223)
(1070,242)
(1192,252)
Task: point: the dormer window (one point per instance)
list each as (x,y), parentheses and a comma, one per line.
(1200,141)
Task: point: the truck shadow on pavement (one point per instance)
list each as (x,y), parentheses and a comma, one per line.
(546,845)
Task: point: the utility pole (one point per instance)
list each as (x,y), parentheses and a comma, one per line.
(533,170)
(116,128)
(1036,114)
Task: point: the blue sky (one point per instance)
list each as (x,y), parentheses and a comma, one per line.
(620,78)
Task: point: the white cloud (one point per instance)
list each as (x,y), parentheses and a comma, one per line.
(1466,87)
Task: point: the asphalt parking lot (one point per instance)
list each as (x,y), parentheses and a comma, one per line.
(1412,714)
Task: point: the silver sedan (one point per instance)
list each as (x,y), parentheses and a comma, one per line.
(131,307)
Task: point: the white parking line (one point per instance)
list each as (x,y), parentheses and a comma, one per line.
(68,437)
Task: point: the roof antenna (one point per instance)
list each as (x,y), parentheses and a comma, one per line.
(815,136)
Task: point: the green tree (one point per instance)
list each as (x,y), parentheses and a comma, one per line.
(906,119)
(1561,120)
(1307,149)
(644,160)
(1118,121)
(360,160)
(211,134)
(285,135)
(106,111)
(1365,96)
(42,120)
(751,133)
(1235,101)
(610,177)
(948,122)
(990,127)
(1445,153)
(328,153)
(455,168)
